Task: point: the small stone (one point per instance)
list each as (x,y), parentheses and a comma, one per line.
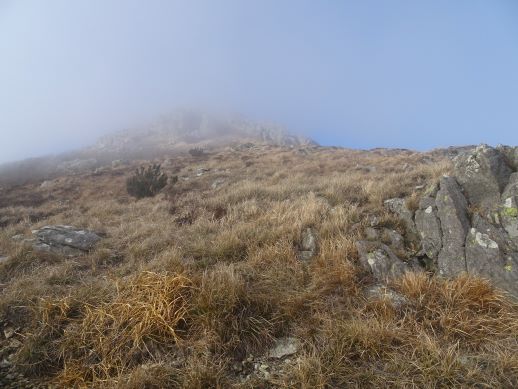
(308,244)
(217,183)
(381,292)
(379,259)
(45,184)
(374,221)
(201,171)
(9,332)
(284,347)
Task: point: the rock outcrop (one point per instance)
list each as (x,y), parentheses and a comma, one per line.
(511,155)
(452,211)
(65,240)
(509,207)
(469,225)
(399,207)
(380,260)
(429,227)
(483,173)
(185,129)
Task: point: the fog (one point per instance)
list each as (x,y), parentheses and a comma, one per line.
(350,73)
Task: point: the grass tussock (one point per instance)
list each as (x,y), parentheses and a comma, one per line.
(148,313)
(451,333)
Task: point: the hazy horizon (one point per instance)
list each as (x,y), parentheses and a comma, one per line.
(358,74)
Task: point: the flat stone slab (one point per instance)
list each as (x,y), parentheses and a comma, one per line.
(63,239)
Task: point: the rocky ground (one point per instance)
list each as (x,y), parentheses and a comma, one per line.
(466,223)
(266,266)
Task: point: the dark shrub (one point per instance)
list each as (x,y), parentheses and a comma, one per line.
(146,182)
(197,152)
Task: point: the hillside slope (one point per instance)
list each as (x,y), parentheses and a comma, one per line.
(176,133)
(247,272)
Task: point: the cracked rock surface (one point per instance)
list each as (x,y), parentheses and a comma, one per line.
(470,224)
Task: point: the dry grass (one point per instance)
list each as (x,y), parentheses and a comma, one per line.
(147,314)
(188,283)
(451,334)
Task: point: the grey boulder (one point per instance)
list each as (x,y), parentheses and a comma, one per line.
(308,244)
(66,240)
(429,227)
(379,259)
(485,259)
(452,212)
(483,173)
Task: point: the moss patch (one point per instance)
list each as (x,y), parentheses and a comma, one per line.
(510,212)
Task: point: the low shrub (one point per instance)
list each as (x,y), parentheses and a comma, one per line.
(146,182)
(197,152)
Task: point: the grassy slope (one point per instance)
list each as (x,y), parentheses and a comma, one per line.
(189,282)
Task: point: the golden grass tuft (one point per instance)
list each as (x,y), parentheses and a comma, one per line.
(148,313)
(467,309)
(235,320)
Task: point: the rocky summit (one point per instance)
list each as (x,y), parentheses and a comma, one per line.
(269,262)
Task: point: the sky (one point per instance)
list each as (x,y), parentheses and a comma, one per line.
(415,74)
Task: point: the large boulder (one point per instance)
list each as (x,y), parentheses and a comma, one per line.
(379,259)
(483,173)
(452,212)
(429,227)
(65,240)
(484,258)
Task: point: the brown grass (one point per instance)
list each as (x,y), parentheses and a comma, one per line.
(188,283)
(148,313)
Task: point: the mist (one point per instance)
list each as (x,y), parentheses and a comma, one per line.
(357,74)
